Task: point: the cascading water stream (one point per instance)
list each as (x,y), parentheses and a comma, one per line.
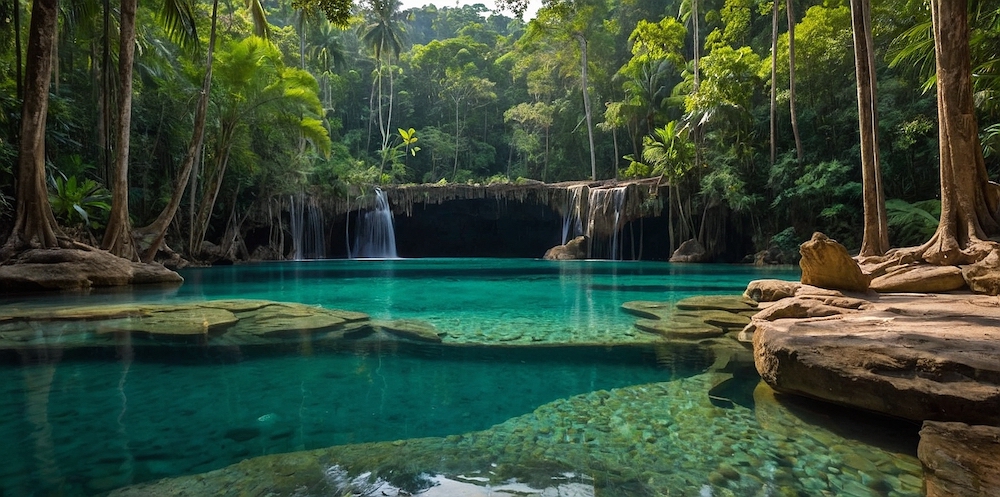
(375,237)
(306,223)
(603,218)
(572,223)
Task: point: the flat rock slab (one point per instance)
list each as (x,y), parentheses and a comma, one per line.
(72,269)
(960,460)
(680,328)
(178,322)
(413,329)
(917,357)
(240,321)
(726,303)
(648,309)
(922,278)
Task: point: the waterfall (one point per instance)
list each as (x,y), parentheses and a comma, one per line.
(604,214)
(572,225)
(375,237)
(306,218)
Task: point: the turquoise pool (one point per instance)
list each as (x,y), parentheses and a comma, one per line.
(539,373)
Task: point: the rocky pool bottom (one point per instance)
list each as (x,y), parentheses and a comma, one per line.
(660,410)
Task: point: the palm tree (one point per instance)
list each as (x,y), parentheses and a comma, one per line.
(384,34)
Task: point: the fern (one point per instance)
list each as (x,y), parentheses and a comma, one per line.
(912,224)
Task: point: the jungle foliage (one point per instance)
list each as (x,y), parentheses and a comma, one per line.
(369,94)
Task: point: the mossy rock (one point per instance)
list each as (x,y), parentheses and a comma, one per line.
(727,303)
(190,321)
(721,319)
(648,309)
(282,319)
(413,329)
(679,328)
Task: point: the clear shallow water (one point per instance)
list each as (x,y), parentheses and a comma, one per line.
(88,421)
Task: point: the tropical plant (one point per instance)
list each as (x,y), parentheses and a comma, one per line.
(912,224)
(79,202)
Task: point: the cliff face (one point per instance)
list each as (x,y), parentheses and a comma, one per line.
(464,228)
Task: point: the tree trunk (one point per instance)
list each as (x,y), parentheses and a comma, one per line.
(586,103)
(969,202)
(17,49)
(213,184)
(118,235)
(34,223)
(774,81)
(158,228)
(791,80)
(875,240)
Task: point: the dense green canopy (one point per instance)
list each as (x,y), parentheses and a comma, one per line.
(336,94)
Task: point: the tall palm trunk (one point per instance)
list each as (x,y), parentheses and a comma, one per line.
(875,240)
(774,81)
(158,228)
(118,235)
(34,222)
(586,103)
(791,80)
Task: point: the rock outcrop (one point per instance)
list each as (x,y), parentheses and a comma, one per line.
(984,276)
(960,460)
(919,278)
(74,269)
(689,251)
(573,249)
(826,264)
(919,358)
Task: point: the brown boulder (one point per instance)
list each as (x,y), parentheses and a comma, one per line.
(574,249)
(984,276)
(915,357)
(826,264)
(770,290)
(74,269)
(689,251)
(960,460)
(799,307)
(919,278)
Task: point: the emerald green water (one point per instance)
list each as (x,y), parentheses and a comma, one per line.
(85,421)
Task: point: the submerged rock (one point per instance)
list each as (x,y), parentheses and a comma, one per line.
(413,329)
(728,303)
(679,328)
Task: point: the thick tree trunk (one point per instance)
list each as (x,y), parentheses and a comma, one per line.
(969,202)
(586,103)
(157,230)
(118,235)
(791,81)
(875,240)
(34,223)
